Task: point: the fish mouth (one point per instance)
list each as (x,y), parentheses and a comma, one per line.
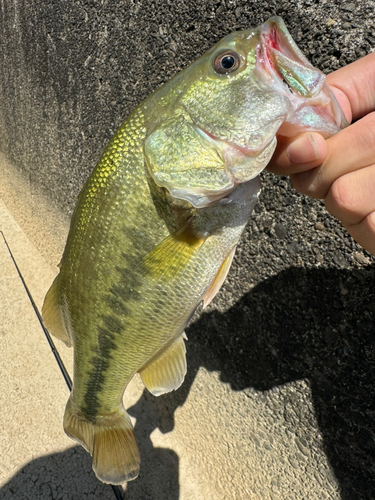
(287,71)
(280,57)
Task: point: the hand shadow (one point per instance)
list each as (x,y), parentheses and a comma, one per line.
(302,323)
(308,323)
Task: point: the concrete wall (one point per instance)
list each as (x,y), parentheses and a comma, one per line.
(278,400)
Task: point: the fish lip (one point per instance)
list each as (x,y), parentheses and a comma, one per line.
(264,60)
(246,150)
(275,38)
(305,87)
(242,149)
(242,163)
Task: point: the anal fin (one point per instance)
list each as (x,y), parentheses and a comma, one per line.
(219,278)
(167,372)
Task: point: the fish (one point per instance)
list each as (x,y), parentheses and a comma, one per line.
(157,223)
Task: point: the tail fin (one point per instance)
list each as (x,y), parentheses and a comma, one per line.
(110,441)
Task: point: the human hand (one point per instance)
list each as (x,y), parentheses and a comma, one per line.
(341,169)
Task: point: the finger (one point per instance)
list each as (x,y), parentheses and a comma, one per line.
(344,103)
(356,82)
(351,197)
(352,148)
(364,232)
(298,154)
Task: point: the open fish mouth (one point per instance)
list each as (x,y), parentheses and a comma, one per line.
(287,71)
(285,63)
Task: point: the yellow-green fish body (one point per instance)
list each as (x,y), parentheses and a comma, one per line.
(157,223)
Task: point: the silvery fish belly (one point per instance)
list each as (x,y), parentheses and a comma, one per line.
(157,223)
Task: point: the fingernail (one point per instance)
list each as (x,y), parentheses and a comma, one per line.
(303,150)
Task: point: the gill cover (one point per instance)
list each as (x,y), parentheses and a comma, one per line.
(197,167)
(181,158)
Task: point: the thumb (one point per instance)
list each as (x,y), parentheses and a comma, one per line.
(297,154)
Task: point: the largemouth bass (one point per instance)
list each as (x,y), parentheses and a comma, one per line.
(157,223)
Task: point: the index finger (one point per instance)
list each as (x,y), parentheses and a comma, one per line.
(354,87)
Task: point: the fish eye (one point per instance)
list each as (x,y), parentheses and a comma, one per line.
(226,62)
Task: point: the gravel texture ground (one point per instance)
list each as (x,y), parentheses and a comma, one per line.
(293,328)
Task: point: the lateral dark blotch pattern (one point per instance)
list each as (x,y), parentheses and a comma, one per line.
(101,360)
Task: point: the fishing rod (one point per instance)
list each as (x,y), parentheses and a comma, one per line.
(65,374)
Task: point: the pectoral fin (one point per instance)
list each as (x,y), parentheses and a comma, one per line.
(173,254)
(219,278)
(167,372)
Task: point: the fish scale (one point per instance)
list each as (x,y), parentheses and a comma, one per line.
(157,223)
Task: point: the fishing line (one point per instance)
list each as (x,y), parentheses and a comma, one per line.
(55,352)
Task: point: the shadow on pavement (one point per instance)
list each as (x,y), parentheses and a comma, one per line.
(317,324)
(68,475)
(302,323)
(53,476)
